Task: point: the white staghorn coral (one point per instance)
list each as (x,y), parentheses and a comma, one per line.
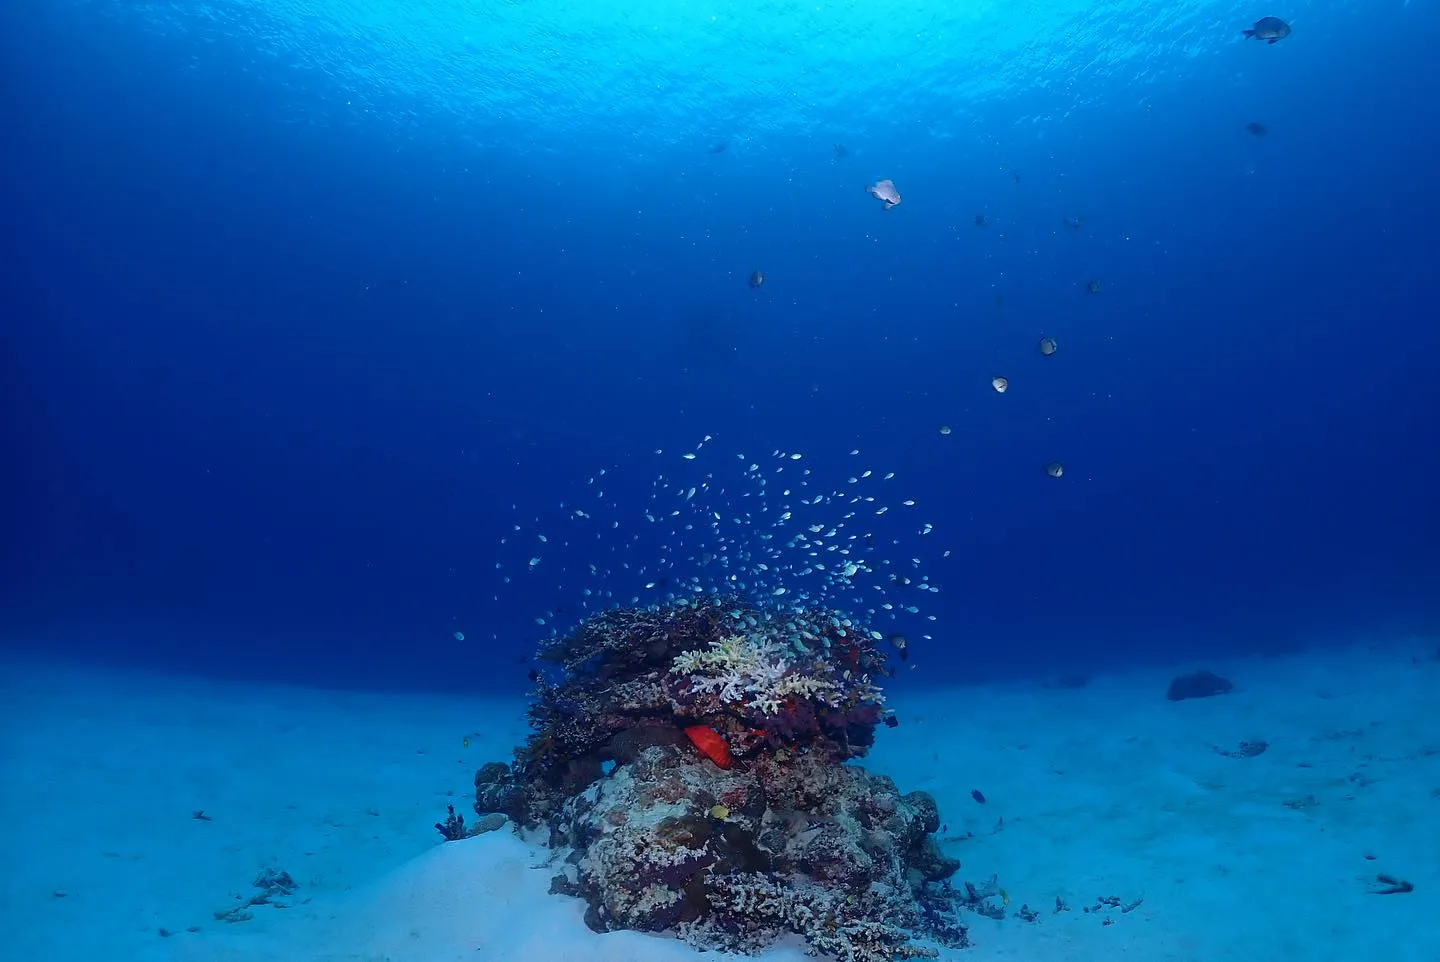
(729,652)
(751,669)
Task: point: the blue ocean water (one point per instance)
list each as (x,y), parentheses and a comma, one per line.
(308,305)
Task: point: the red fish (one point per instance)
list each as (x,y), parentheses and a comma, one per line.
(710,744)
(884,191)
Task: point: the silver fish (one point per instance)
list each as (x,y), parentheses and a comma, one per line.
(885,192)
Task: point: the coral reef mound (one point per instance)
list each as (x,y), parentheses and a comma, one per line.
(687,763)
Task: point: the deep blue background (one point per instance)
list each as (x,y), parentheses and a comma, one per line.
(272,389)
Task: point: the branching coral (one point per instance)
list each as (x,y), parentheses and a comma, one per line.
(754,671)
(762,677)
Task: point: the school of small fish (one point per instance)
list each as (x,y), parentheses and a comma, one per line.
(765,527)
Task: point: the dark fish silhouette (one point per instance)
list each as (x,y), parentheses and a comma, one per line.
(1269,29)
(841,150)
(757,278)
(1257,128)
(1047,346)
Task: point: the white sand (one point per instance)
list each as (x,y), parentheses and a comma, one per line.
(1109,790)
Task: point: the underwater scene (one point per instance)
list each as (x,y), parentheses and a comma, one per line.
(583,481)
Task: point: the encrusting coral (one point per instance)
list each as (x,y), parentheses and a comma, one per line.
(688,761)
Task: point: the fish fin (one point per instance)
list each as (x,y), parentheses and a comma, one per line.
(1273,40)
(1248,33)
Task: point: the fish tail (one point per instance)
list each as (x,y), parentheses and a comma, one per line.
(1248,33)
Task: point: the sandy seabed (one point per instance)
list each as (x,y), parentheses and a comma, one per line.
(1104,792)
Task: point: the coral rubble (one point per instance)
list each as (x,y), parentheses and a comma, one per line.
(689,763)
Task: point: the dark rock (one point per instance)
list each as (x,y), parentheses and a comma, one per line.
(1246,749)
(562,885)
(627,745)
(497,790)
(1201,684)
(487,823)
(933,864)
(925,814)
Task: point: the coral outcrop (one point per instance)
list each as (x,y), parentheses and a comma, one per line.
(689,763)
